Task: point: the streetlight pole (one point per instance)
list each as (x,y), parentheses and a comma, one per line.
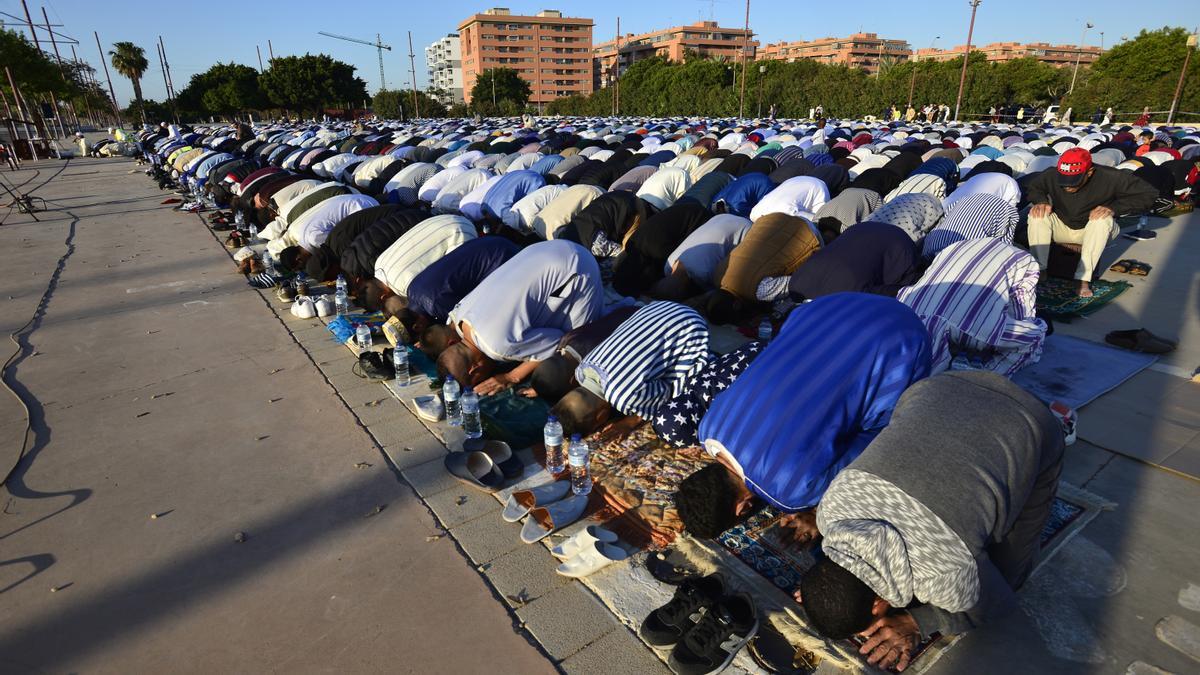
(745,48)
(762,71)
(1191,44)
(962,79)
(912,83)
(1079,55)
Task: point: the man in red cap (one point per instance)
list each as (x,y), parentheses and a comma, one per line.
(1077,203)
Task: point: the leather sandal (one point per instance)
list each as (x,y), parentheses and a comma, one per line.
(475,469)
(521,502)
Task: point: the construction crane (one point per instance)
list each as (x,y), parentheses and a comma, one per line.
(377,44)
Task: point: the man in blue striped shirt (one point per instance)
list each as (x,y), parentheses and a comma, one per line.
(805,408)
(647,360)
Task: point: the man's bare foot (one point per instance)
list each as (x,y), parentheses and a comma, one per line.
(1085,289)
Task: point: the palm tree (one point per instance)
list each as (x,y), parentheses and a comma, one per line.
(130,61)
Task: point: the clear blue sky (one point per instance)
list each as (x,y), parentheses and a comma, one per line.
(197,36)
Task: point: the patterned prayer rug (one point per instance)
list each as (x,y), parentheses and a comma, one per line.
(1059,298)
(758,544)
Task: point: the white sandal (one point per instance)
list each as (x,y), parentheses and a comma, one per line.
(592,559)
(581,540)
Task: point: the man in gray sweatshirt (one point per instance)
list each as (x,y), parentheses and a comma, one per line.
(938,521)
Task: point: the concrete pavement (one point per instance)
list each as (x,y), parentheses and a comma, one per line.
(162,386)
(155,373)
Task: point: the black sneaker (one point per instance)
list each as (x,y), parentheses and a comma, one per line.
(372,367)
(717,638)
(668,624)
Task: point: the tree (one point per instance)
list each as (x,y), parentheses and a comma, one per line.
(500,91)
(311,82)
(395,104)
(130,60)
(150,110)
(223,90)
(1140,72)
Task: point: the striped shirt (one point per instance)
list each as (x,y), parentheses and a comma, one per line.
(976,216)
(419,248)
(648,359)
(977,301)
(817,395)
(922,183)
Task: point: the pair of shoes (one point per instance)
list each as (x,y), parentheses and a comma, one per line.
(1140,340)
(303,308)
(704,624)
(588,551)
(372,366)
(484,464)
(550,507)
(285,292)
(1131,266)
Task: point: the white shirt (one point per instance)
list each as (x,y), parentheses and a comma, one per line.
(419,248)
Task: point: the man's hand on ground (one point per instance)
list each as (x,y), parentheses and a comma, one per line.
(1039,211)
(890,641)
(619,429)
(1100,212)
(800,528)
(494,385)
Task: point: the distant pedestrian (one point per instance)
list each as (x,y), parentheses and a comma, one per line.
(1096,118)
(7,155)
(1108,117)
(1144,119)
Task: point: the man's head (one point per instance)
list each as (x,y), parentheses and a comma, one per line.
(581,412)
(821,123)
(675,286)
(838,603)
(394,305)
(721,306)
(554,378)
(1074,169)
(711,500)
(435,339)
(371,294)
(465,363)
(292,259)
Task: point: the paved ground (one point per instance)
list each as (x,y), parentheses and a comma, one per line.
(147,318)
(163,385)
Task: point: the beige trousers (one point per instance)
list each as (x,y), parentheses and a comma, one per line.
(1093,238)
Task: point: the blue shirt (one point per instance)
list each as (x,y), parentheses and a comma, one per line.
(438,288)
(817,395)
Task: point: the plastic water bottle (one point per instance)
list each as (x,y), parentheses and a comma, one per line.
(341,283)
(552,434)
(450,396)
(253,232)
(765,331)
(400,364)
(341,302)
(578,455)
(362,335)
(240,219)
(268,263)
(472,424)
(1143,220)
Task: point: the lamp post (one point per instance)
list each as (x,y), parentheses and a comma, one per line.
(912,83)
(762,71)
(962,78)
(1079,55)
(1101,41)
(1191,44)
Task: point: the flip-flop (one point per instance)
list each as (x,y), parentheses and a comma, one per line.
(1139,340)
(544,520)
(1140,269)
(475,469)
(592,559)
(1121,266)
(510,465)
(521,502)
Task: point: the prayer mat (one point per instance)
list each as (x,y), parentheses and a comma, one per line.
(638,476)
(758,544)
(1077,371)
(516,420)
(1059,298)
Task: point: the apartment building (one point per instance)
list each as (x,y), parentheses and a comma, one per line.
(704,38)
(860,50)
(1055,55)
(550,51)
(443,58)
